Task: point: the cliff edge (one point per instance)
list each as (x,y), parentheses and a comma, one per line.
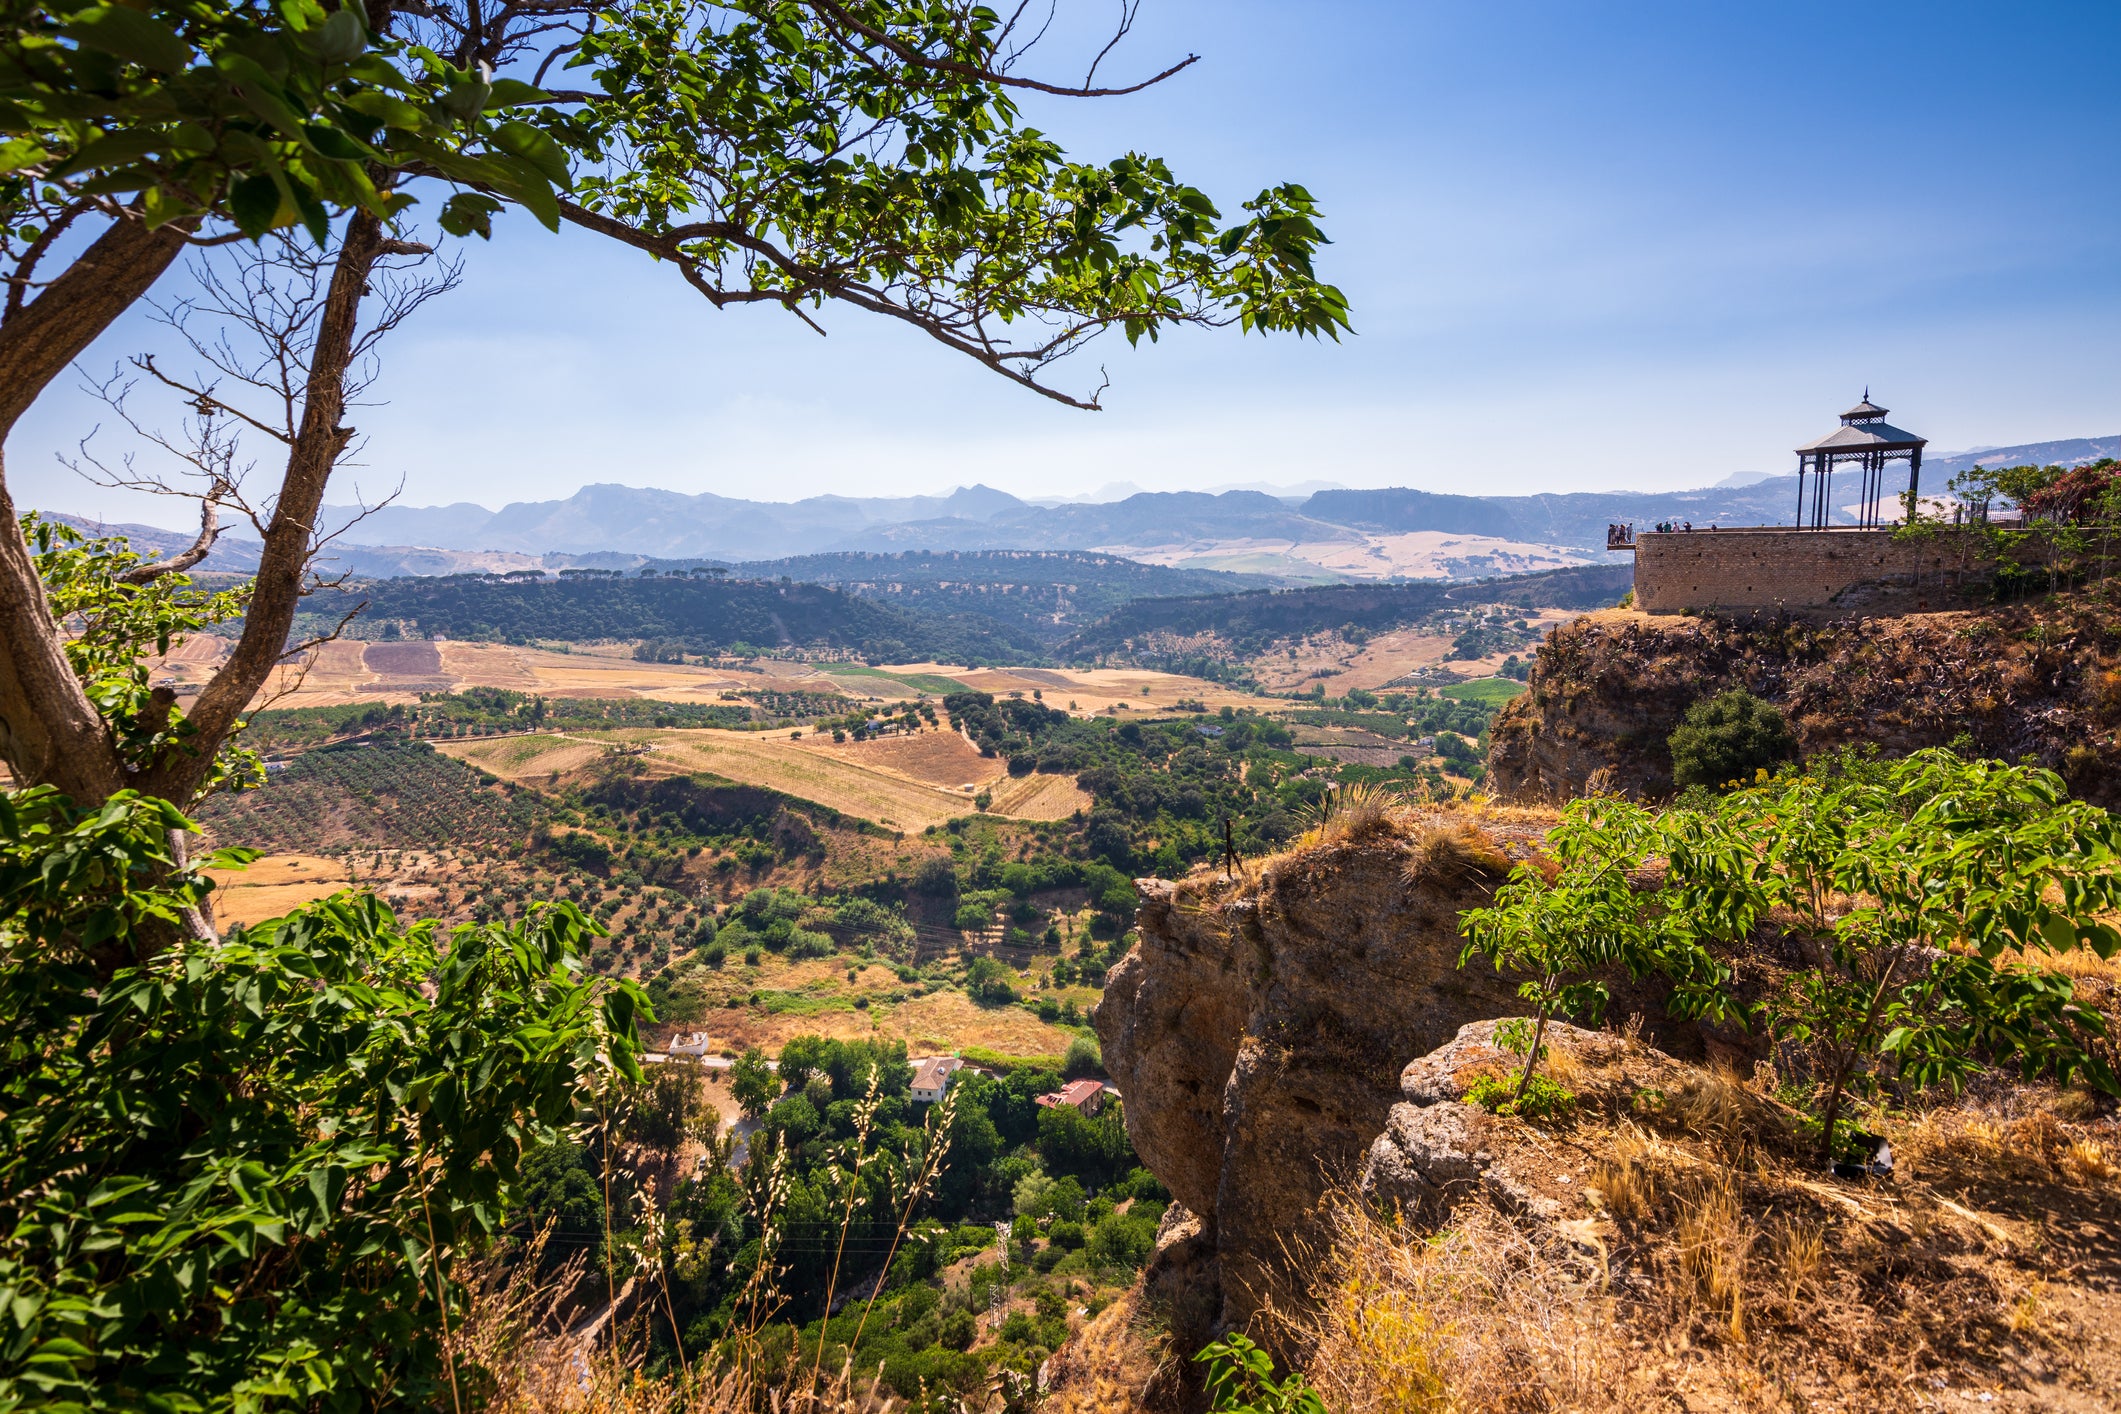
(1259,1031)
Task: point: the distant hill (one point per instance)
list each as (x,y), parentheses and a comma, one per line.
(1148,519)
(606,525)
(2074,451)
(668,524)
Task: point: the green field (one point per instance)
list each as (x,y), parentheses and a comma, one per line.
(1488,692)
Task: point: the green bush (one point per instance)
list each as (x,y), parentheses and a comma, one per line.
(989,982)
(1543,1098)
(228,1166)
(1730,738)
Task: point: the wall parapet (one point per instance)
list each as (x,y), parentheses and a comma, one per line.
(1780,569)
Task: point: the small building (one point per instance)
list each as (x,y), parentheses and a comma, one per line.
(931,1078)
(688,1043)
(1088,1096)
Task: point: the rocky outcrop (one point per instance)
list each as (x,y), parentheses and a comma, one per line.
(1259,1030)
(1435,1149)
(1606,690)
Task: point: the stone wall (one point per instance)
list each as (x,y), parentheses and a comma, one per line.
(1836,571)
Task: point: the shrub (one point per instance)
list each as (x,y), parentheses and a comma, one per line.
(1542,1097)
(1083,1059)
(307,1110)
(1730,738)
(959,1330)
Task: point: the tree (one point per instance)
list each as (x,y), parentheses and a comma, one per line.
(1731,737)
(1929,893)
(1083,1059)
(791,152)
(989,983)
(752,1082)
(1565,924)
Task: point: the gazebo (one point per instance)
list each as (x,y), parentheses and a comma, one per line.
(1867,439)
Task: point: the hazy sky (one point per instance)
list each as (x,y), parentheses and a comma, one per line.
(1587,246)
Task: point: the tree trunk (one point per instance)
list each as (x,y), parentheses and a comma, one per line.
(290,537)
(1833,1111)
(50,734)
(1531,1056)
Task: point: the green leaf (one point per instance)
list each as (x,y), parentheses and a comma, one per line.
(132,35)
(18,153)
(254,202)
(514,93)
(536,147)
(342,37)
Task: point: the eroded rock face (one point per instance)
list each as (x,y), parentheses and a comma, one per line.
(1607,690)
(1259,1031)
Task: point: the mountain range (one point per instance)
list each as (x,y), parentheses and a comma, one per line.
(1331,534)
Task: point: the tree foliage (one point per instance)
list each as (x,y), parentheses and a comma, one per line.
(233,1172)
(1730,738)
(1569,924)
(1931,892)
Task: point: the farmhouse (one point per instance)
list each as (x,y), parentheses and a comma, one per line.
(1088,1096)
(931,1078)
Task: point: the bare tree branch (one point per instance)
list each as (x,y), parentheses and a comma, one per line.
(209,531)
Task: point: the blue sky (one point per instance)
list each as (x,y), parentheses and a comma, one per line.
(1587,246)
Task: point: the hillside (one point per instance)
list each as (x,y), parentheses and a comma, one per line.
(1046,593)
(1233,627)
(2039,680)
(693,615)
(1334,534)
(1312,1070)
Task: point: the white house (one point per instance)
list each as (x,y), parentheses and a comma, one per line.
(932,1077)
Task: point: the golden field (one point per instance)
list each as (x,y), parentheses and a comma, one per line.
(904,783)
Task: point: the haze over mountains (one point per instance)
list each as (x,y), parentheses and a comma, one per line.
(1330,534)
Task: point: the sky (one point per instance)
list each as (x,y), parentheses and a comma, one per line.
(1587,246)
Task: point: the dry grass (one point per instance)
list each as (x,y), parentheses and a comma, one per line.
(2035,1147)
(1453,853)
(1480,1317)
(525,1351)
(1714,1243)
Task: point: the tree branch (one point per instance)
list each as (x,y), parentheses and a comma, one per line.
(209,531)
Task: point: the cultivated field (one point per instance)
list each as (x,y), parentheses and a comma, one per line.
(277,883)
(1353,555)
(273,885)
(347,672)
(904,784)
(1383,659)
(815,997)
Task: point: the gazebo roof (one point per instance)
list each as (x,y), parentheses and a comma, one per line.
(1866,437)
(1864,429)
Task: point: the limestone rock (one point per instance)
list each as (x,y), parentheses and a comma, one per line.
(1428,1157)
(1259,1030)
(1445,1073)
